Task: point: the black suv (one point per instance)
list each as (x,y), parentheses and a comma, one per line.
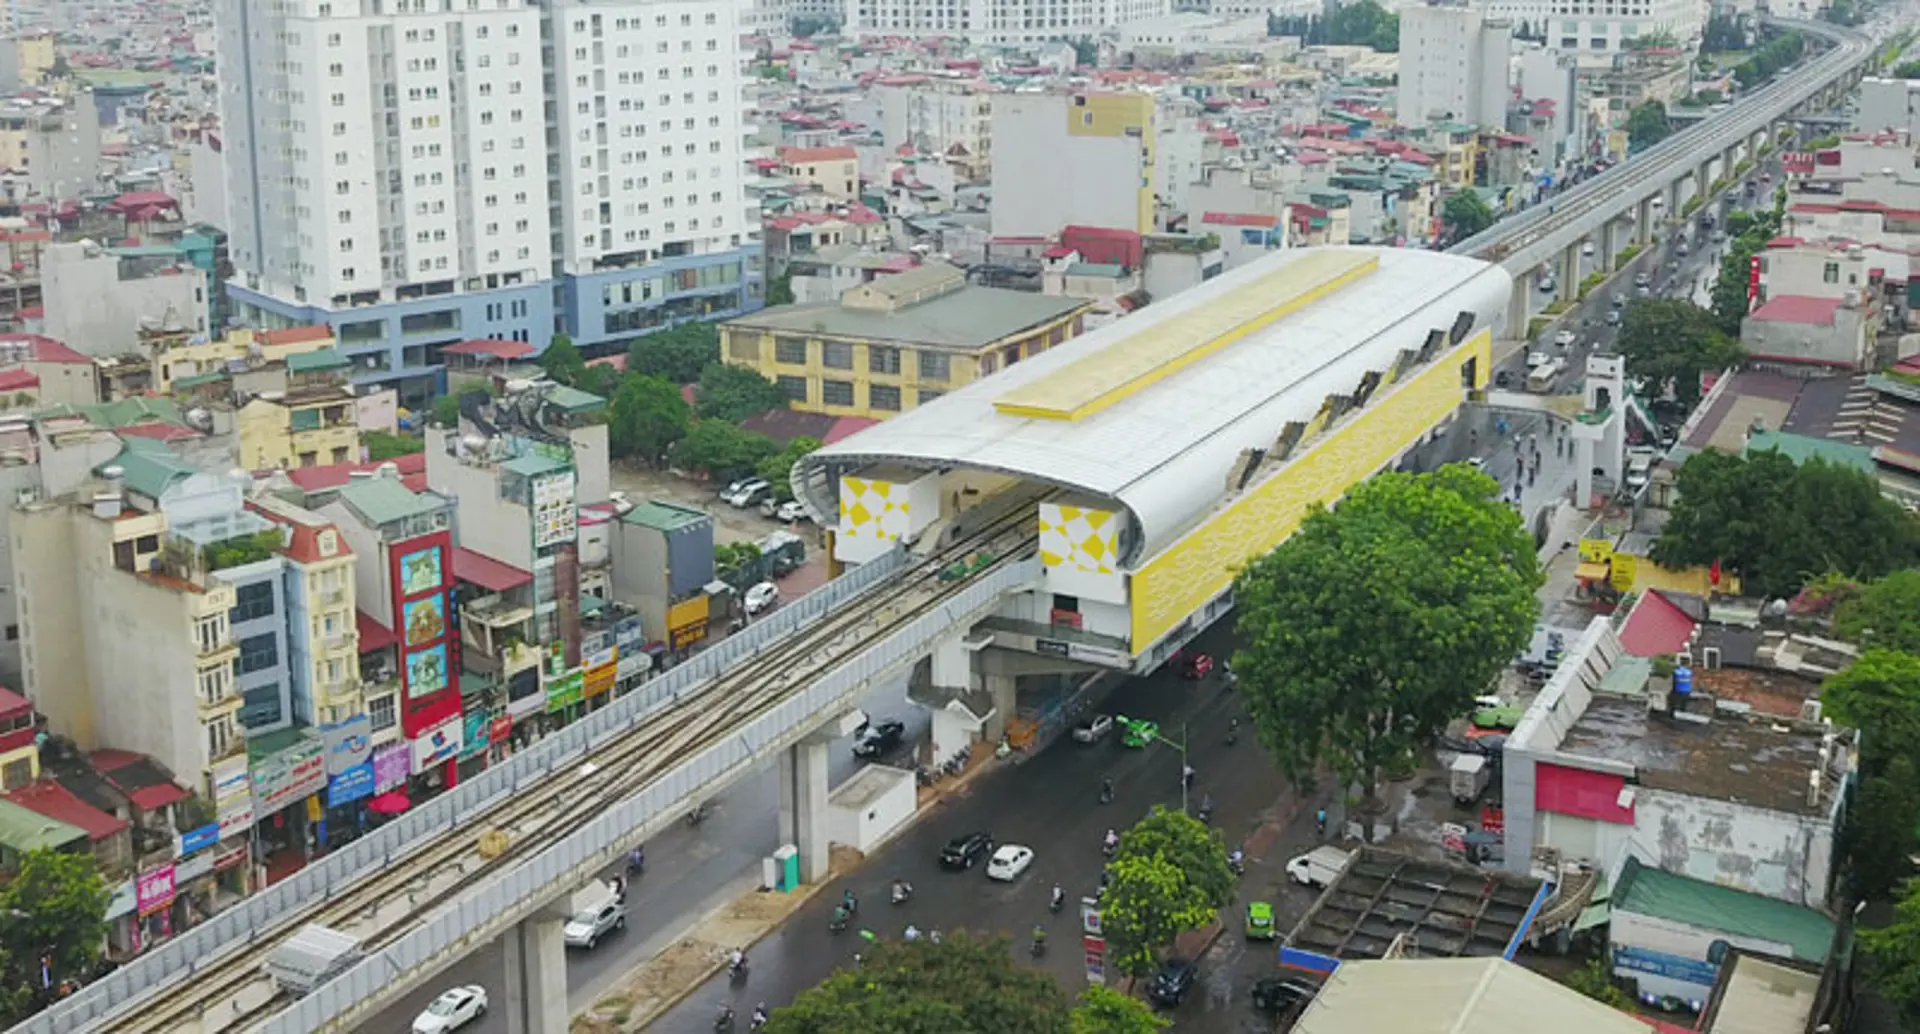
(1276,996)
(1171,984)
(878,739)
(961,852)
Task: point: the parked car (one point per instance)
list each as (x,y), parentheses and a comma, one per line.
(1193,665)
(1171,984)
(790,512)
(1009,862)
(747,493)
(1276,995)
(452,1010)
(963,851)
(1587,248)
(1613,317)
(762,597)
(879,739)
(1093,728)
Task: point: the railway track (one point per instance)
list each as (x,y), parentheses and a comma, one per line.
(236,995)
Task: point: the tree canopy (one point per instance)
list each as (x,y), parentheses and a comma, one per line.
(1102,1010)
(1365,24)
(1724,32)
(647,415)
(1772,56)
(1778,524)
(1169,876)
(678,353)
(777,469)
(382,445)
(1749,233)
(1648,125)
(963,985)
(563,363)
(1671,343)
(1893,954)
(55,907)
(1376,623)
(1465,213)
(1885,613)
(735,393)
(721,449)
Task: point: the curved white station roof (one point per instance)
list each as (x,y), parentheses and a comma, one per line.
(1164,450)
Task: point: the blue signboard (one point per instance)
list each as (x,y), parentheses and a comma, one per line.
(1661,964)
(200,839)
(351,785)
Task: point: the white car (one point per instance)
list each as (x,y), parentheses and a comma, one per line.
(1565,339)
(1009,862)
(790,512)
(1537,359)
(762,597)
(452,1010)
(1094,729)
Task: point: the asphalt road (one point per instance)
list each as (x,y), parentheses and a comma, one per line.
(690,872)
(1049,803)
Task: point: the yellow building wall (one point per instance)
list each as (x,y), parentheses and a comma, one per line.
(325,444)
(29,753)
(265,441)
(207,356)
(35,54)
(1113,114)
(1197,568)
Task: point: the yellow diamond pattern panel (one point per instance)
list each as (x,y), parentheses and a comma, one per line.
(1077,538)
(870,509)
(1129,366)
(1184,577)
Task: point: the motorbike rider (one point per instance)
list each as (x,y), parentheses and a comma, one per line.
(1206,804)
(1320,820)
(1039,938)
(1059,898)
(737,961)
(1110,842)
(1237,860)
(902,890)
(1106,788)
(912,933)
(849,902)
(759,1017)
(1186,775)
(841,916)
(724,1021)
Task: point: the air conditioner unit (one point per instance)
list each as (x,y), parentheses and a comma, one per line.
(1710,657)
(1810,710)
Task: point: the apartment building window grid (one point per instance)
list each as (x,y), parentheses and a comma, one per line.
(794,388)
(790,351)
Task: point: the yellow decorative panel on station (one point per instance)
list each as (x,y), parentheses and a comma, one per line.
(1129,366)
(872,508)
(1197,568)
(1078,538)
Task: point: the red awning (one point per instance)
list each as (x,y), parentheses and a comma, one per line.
(393,802)
(373,634)
(153,798)
(487,572)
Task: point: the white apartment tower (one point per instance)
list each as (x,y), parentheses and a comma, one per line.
(417,173)
(1454,66)
(999,21)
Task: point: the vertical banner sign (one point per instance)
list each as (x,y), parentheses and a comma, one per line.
(554,514)
(1753,280)
(1091,940)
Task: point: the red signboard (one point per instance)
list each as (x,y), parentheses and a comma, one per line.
(1753,279)
(1493,820)
(1069,618)
(420,571)
(1582,794)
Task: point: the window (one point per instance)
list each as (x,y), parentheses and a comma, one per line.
(934,366)
(794,388)
(836,393)
(219,735)
(927,396)
(883,396)
(17,774)
(251,602)
(257,653)
(380,711)
(790,350)
(880,358)
(836,355)
(1831,273)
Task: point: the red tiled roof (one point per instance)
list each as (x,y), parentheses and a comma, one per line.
(1784,241)
(502,350)
(1797,308)
(846,427)
(1656,627)
(18,380)
(46,349)
(11,702)
(333,475)
(486,572)
(1240,219)
(1102,246)
(157,432)
(56,802)
(802,155)
(1058,251)
(297,335)
(373,634)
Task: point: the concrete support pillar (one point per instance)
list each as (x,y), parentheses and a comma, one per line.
(1702,180)
(1006,700)
(1517,307)
(1672,211)
(803,806)
(1568,276)
(1610,244)
(1728,160)
(1582,471)
(953,663)
(535,998)
(1643,223)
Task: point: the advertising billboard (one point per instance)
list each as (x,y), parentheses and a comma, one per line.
(554,514)
(424,623)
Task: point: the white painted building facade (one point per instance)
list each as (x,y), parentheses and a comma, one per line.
(999,21)
(1454,65)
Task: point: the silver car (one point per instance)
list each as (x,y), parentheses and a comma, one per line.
(587,927)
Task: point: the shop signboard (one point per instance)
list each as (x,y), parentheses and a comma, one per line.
(351,785)
(285,776)
(629,636)
(564,691)
(436,746)
(230,858)
(1664,964)
(390,764)
(473,738)
(1596,551)
(230,781)
(554,515)
(153,889)
(1625,568)
(602,670)
(198,840)
(349,744)
(499,730)
(236,819)
(429,656)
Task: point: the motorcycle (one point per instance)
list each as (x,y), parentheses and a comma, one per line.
(1107,849)
(737,971)
(1237,864)
(700,813)
(1059,900)
(723,1022)
(839,922)
(901,892)
(1205,811)
(1039,947)
(758,1021)
(1106,793)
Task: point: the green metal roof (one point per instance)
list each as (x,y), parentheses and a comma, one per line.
(665,516)
(383,500)
(261,746)
(968,319)
(1094,269)
(1662,895)
(211,377)
(1800,448)
(24,830)
(149,467)
(138,409)
(573,400)
(532,465)
(591,604)
(318,359)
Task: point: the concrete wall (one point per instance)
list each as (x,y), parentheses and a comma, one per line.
(98,314)
(1048,173)
(640,575)
(1782,856)
(1844,341)
(487,524)
(372,587)
(377,411)
(869,807)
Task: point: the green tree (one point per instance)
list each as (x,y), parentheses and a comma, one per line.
(780,290)
(1877,835)
(1169,876)
(383,446)
(1596,982)
(677,353)
(1777,524)
(1893,955)
(1363,23)
(1724,32)
(721,449)
(1437,577)
(446,408)
(1907,70)
(963,985)
(55,906)
(1648,125)
(1671,343)
(563,362)
(777,469)
(1465,213)
(735,393)
(1885,613)
(1102,1010)
(647,415)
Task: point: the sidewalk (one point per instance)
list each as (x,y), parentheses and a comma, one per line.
(690,958)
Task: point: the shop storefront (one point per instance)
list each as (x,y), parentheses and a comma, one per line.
(288,767)
(632,664)
(194,878)
(598,675)
(434,751)
(350,781)
(123,921)
(233,806)
(566,693)
(476,737)
(154,894)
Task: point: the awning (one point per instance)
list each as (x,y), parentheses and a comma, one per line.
(486,572)
(1592,916)
(393,802)
(373,634)
(1592,572)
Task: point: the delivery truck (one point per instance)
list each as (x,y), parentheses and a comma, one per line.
(1467,777)
(1318,867)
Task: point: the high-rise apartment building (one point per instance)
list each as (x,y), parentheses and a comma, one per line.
(1454,66)
(999,21)
(417,173)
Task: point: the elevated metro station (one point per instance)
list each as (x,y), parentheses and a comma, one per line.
(1161,453)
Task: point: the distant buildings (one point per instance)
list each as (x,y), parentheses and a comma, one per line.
(1067,158)
(1454,65)
(997,21)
